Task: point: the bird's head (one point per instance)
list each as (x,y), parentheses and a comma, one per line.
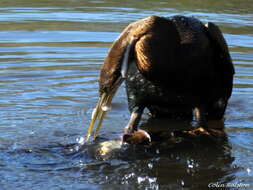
(112,74)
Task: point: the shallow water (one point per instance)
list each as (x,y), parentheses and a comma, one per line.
(50,55)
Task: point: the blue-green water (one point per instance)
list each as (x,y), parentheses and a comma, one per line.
(50,55)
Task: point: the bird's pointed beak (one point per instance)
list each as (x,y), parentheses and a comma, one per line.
(103,105)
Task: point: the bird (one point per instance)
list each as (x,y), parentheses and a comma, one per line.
(176,67)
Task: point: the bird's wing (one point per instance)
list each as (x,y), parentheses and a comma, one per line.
(225,64)
(156,48)
(148,40)
(112,67)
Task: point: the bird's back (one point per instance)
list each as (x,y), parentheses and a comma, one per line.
(172,56)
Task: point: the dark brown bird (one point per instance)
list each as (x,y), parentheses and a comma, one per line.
(175,67)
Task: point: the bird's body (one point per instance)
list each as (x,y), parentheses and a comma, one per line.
(176,67)
(191,77)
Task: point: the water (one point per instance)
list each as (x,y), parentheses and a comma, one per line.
(50,55)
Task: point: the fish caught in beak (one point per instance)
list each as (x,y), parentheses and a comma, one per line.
(103,105)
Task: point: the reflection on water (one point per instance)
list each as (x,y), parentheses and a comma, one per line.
(50,55)
(134,167)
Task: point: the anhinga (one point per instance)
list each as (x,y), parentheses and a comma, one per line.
(175,67)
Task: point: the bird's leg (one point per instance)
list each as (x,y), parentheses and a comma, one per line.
(200,118)
(202,128)
(134,120)
(133,135)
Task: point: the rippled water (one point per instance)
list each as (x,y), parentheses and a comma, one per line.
(50,55)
